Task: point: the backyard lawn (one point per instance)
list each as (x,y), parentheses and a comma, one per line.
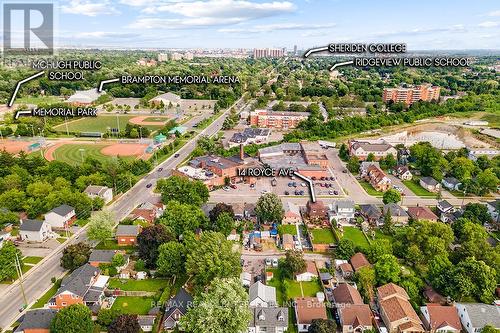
(134,305)
(112,244)
(356,236)
(369,188)
(418,190)
(322,236)
(139,285)
(287,229)
(292,287)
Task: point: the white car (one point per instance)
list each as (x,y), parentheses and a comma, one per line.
(275,262)
(303,184)
(225,188)
(268,262)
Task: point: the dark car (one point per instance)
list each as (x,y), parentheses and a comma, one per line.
(149,185)
(336,192)
(287,193)
(160,169)
(176,155)
(344,171)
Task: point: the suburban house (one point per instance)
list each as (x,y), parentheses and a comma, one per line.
(176,307)
(346,270)
(358,261)
(34,230)
(316,210)
(307,309)
(363,167)
(440,319)
(444,206)
(403,172)
(85,285)
(397,213)
(146,323)
(451,183)
(494,209)
(167,99)
(36,321)
(127,234)
(269,320)
(430,184)
(371,213)
(474,316)
(377,178)
(147,211)
(396,311)
(422,213)
(61,217)
(309,274)
(346,294)
(291,213)
(246,279)
(355,318)
(98,257)
(287,242)
(341,211)
(103,192)
(379,150)
(261,295)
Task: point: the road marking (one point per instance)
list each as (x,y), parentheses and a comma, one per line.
(310,183)
(105,82)
(341,64)
(14,94)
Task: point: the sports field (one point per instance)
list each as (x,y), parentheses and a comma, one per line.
(76,153)
(101,124)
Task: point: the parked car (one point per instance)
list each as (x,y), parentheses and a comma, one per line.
(275,262)
(160,169)
(287,193)
(268,262)
(149,185)
(344,171)
(225,188)
(176,155)
(336,192)
(330,192)
(233,186)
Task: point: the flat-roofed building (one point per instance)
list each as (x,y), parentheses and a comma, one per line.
(279,120)
(410,95)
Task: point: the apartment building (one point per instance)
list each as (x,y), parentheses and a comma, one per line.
(424,92)
(279,120)
(268,53)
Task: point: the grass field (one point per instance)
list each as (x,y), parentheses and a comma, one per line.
(415,187)
(322,236)
(287,229)
(356,236)
(71,153)
(99,124)
(112,244)
(139,285)
(38,100)
(133,305)
(369,189)
(32,260)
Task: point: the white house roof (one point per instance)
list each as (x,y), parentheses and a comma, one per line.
(85,96)
(265,293)
(168,96)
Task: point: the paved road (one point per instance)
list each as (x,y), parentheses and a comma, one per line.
(39,278)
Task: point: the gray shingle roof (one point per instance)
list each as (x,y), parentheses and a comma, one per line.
(102,255)
(182,301)
(78,282)
(269,317)
(371,211)
(483,314)
(62,210)
(429,181)
(394,210)
(31,225)
(37,319)
(127,230)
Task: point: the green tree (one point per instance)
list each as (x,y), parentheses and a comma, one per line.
(462,168)
(118,260)
(353,164)
(387,269)
(345,249)
(370,157)
(210,257)
(219,209)
(293,263)
(224,224)
(378,248)
(8,254)
(75,255)
(487,181)
(181,218)
(183,190)
(322,326)
(100,226)
(125,323)
(106,316)
(473,278)
(171,258)
(269,208)
(344,152)
(477,213)
(365,278)
(389,162)
(223,307)
(388,226)
(391,196)
(76,318)
(489,329)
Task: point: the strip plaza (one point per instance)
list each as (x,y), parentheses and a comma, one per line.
(65,112)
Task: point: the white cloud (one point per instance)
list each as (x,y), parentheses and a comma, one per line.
(106,34)
(224,8)
(278,26)
(414,32)
(159,23)
(89,8)
(494,13)
(489,24)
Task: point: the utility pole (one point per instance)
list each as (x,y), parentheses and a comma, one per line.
(20,275)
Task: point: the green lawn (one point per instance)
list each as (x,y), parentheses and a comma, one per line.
(111,244)
(287,229)
(72,153)
(61,240)
(492,119)
(309,288)
(322,236)
(380,235)
(99,124)
(32,260)
(139,285)
(47,296)
(418,190)
(369,189)
(38,100)
(276,282)
(134,305)
(356,236)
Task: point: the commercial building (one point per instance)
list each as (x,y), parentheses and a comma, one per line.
(168,99)
(279,120)
(379,150)
(410,95)
(85,97)
(268,53)
(249,136)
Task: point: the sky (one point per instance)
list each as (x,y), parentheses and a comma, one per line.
(422,24)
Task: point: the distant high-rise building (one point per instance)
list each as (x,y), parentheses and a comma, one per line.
(423,92)
(162,57)
(295,51)
(268,53)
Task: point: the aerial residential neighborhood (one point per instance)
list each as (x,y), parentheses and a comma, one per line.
(257,166)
